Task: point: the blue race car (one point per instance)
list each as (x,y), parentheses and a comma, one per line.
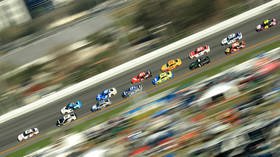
(107,93)
(101,104)
(69,108)
(232,38)
(132,90)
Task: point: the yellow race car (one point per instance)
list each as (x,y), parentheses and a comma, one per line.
(163,77)
(171,64)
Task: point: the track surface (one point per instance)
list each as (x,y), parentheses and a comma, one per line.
(45,117)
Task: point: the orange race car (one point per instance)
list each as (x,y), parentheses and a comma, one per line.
(171,64)
(236,46)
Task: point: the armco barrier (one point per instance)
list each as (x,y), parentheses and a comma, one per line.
(139,61)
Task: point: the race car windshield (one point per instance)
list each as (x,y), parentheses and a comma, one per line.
(68,106)
(106,91)
(61,120)
(141,74)
(170,63)
(157,78)
(231,36)
(199,49)
(26,133)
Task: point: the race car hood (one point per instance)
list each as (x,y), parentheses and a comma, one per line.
(105,92)
(98,97)
(101,97)
(192,53)
(259,27)
(163,67)
(239,34)
(155,80)
(134,79)
(227,49)
(94,107)
(78,104)
(63,109)
(71,105)
(125,93)
(179,61)
(20,137)
(224,41)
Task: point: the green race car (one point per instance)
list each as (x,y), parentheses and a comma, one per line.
(199,62)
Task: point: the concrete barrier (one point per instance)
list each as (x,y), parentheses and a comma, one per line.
(139,61)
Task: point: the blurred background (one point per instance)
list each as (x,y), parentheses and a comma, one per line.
(46,45)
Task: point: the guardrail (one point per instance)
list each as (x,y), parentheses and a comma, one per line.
(139,61)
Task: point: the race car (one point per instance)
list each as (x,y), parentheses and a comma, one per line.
(29,133)
(199,62)
(236,46)
(65,119)
(107,93)
(71,107)
(132,90)
(141,77)
(101,104)
(266,24)
(162,77)
(232,38)
(171,64)
(200,51)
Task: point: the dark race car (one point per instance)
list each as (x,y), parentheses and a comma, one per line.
(141,77)
(132,90)
(266,24)
(236,46)
(65,119)
(199,62)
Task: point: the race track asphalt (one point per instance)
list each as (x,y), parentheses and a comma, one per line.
(45,118)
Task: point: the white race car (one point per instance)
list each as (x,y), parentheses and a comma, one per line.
(29,133)
(101,104)
(65,119)
(232,38)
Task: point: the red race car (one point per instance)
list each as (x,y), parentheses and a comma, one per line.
(236,46)
(141,77)
(200,51)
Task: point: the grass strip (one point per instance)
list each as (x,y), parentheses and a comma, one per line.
(31,148)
